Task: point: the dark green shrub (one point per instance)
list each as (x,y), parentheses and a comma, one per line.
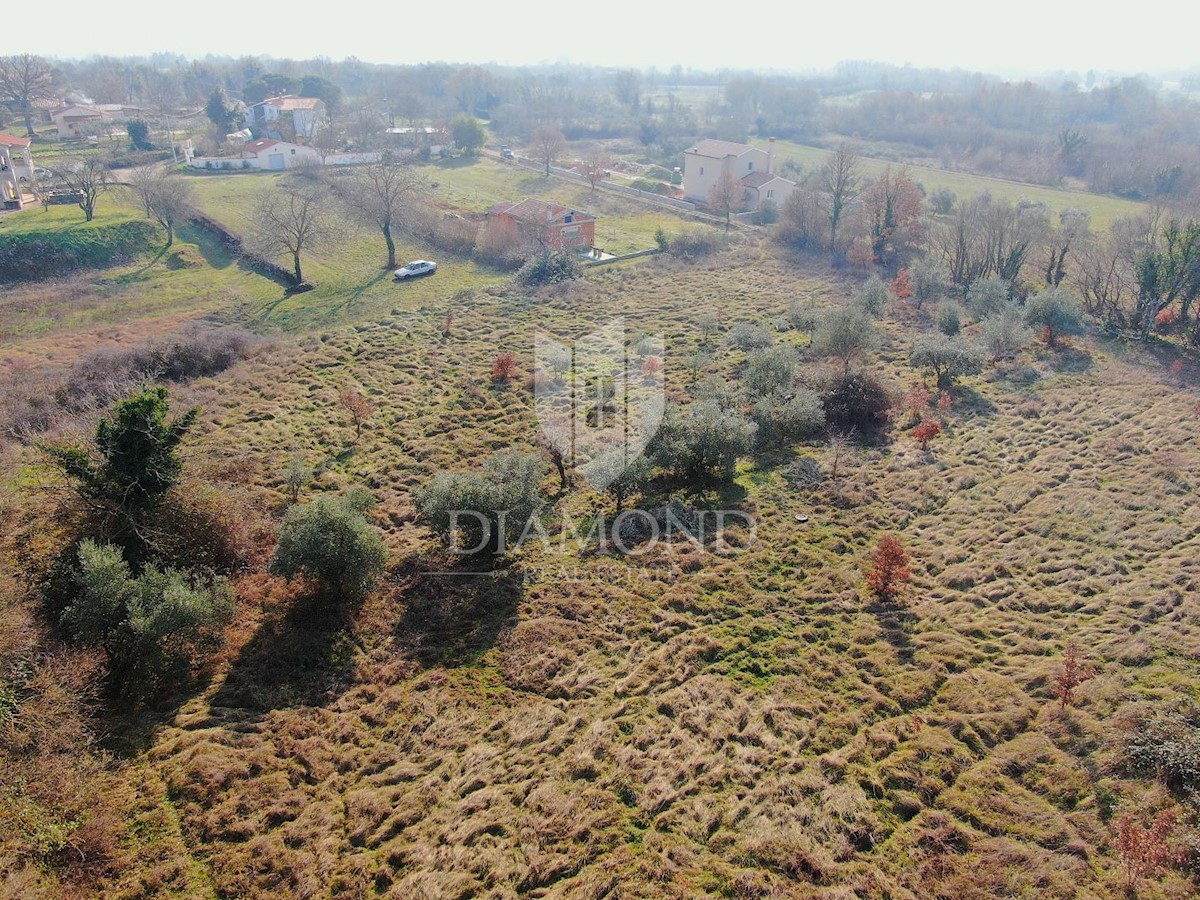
(856,401)
(551,268)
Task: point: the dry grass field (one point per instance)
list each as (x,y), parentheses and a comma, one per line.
(677,723)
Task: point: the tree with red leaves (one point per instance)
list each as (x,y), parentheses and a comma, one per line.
(889,569)
(1074,672)
(927,431)
(1144,851)
(652,366)
(504,367)
(901,286)
(359,408)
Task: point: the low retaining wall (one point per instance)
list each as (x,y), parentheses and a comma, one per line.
(593,263)
(233,243)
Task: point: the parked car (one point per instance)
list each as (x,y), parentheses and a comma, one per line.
(416,269)
(506,152)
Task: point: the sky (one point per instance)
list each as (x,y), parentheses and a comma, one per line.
(1007,38)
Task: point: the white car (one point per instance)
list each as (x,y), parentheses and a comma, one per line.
(416,269)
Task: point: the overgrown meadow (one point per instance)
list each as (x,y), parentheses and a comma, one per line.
(741,721)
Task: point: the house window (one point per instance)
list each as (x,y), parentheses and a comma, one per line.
(702,170)
(770,193)
(750,166)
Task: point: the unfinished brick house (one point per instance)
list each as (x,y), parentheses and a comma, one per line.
(549,225)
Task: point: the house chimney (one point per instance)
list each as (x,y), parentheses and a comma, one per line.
(771,156)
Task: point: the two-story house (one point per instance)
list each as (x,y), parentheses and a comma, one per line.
(752,167)
(550,225)
(16,171)
(287,117)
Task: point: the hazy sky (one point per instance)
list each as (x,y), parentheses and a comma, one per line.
(1015,35)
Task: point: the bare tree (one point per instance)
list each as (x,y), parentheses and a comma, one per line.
(548,144)
(841,178)
(25,79)
(168,199)
(595,163)
(726,195)
(88,178)
(382,195)
(294,217)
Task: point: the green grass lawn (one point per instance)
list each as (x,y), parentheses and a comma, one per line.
(196,276)
(349,275)
(1104,209)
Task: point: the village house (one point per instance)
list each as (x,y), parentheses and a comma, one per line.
(279,155)
(752,167)
(77,121)
(552,226)
(16,171)
(74,122)
(287,117)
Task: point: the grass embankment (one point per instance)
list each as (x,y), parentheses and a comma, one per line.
(689,724)
(55,319)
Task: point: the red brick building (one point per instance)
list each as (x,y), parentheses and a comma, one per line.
(549,224)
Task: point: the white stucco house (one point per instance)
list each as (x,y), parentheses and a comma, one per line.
(16,171)
(306,113)
(279,155)
(754,168)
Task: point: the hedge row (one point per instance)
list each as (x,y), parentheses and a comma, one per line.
(48,254)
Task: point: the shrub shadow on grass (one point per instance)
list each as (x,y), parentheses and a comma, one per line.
(451,616)
(1072,359)
(300,656)
(895,622)
(969,401)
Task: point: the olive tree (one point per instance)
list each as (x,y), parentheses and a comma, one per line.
(769,370)
(844,335)
(148,624)
(705,443)
(330,541)
(946,358)
(1056,312)
(482,513)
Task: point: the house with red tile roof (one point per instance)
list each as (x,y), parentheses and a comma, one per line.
(550,225)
